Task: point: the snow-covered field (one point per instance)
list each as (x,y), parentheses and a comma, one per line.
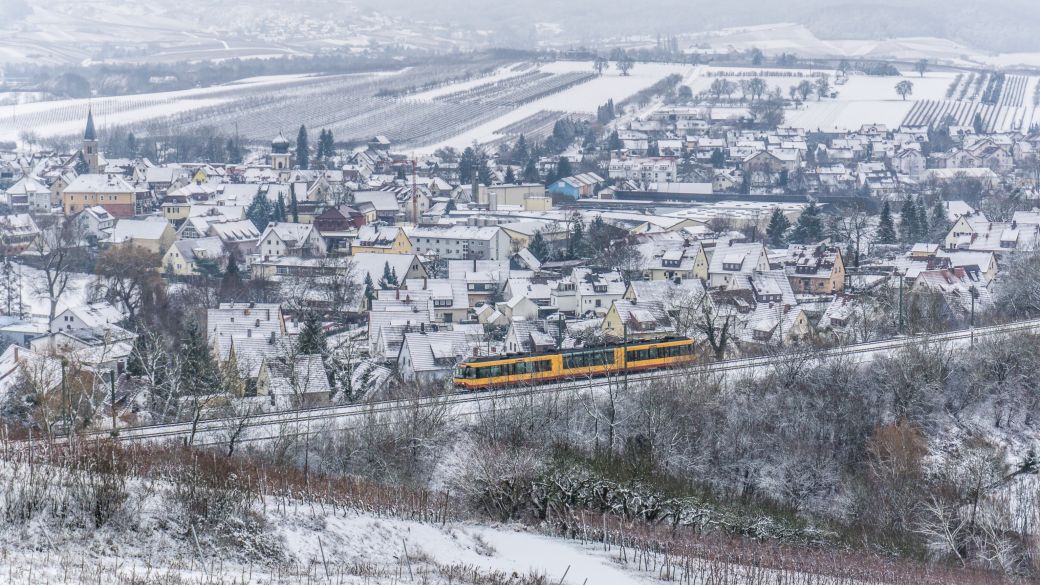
(376,549)
(583,99)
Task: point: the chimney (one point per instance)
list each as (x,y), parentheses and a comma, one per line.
(424,283)
(422,327)
(271,341)
(257,323)
(249,332)
(397,294)
(474,264)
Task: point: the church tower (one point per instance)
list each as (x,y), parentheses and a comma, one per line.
(90,144)
(280,157)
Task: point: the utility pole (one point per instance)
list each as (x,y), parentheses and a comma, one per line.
(974,291)
(900,302)
(112,380)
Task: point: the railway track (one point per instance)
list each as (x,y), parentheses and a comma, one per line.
(316,420)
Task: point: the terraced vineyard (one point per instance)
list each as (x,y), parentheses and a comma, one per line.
(354,107)
(999,100)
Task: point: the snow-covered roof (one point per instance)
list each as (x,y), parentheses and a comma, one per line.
(111,184)
(138,229)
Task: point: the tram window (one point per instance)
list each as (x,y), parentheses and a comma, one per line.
(541,366)
(520,368)
(470,372)
(608,356)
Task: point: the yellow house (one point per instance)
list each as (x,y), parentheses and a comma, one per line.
(815,270)
(685,263)
(381,240)
(191,257)
(109,191)
(636,320)
(154,235)
(175,211)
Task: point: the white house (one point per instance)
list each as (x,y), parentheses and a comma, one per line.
(461,242)
(290,239)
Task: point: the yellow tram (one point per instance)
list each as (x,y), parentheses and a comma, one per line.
(584,362)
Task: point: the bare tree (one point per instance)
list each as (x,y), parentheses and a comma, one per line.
(58,251)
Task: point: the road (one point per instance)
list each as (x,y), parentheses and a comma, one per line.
(320,420)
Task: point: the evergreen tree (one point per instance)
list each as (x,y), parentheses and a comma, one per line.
(303,154)
(325,148)
(311,340)
(387,276)
(82,167)
(809,228)
(908,226)
(200,374)
(294,208)
(260,211)
(538,247)
(576,242)
(923,229)
(510,178)
(231,281)
(718,158)
(978,124)
(520,153)
(393,278)
(467,165)
(483,171)
(563,168)
(531,173)
(279,208)
(614,141)
(776,232)
(131,145)
(886,232)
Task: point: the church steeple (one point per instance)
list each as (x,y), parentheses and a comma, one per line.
(90,145)
(90,133)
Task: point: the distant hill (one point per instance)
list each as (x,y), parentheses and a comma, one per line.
(994,25)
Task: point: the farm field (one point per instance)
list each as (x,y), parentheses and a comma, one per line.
(428,107)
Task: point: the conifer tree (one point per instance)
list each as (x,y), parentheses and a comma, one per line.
(923,229)
(200,374)
(776,232)
(81,168)
(531,173)
(538,246)
(510,178)
(260,211)
(294,208)
(279,208)
(520,153)
(908,226)
(303,154)
(809,228)
(886,232)
(311,340)
(370,288)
